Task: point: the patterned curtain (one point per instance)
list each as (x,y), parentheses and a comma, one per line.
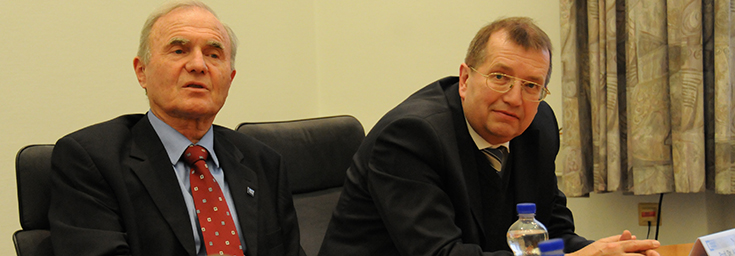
(648,96)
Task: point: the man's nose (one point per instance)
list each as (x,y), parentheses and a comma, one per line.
(514,96)
(196,63)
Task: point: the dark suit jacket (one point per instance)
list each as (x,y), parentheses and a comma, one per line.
(114,192)
(414,186)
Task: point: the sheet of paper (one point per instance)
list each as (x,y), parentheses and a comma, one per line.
(717,244)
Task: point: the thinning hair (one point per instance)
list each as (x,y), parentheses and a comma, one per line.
(144,50)
(520,30)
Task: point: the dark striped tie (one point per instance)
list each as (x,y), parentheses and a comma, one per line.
(495,156)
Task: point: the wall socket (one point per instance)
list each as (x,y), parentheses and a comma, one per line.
(647,212)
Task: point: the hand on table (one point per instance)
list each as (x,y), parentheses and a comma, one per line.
(624,244)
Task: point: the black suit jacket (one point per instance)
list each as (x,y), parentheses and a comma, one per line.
(114,192)
(414,186)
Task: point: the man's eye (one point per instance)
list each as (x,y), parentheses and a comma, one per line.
(498,78)
(214,56)
(531,85)
(179,51)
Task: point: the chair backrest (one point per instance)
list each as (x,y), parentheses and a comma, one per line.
(317,153)
(33,171)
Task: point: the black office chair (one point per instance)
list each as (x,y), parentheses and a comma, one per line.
(33,171)
(317,153)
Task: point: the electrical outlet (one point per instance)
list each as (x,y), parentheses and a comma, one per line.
(647,212)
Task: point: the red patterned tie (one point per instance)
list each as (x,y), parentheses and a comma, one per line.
(218,230)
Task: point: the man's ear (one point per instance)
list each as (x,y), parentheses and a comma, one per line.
(139,67)
(464,76)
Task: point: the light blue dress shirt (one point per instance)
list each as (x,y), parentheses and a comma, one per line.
(175,144)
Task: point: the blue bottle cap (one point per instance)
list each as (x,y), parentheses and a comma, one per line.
(526,208)
(555,244)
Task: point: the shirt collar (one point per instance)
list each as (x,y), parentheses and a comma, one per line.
(480,142)
(176,143)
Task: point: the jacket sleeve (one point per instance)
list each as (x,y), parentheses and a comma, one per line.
(562,225)
(78,187)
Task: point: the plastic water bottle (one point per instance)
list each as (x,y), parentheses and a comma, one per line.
(553,247)
(525,234)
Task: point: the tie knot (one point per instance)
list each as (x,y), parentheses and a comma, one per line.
(195,153)
(498,153)
(495,156)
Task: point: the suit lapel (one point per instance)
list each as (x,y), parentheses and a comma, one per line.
(243,185)
(467,153)
(151,165)
(525,174)
(531,178)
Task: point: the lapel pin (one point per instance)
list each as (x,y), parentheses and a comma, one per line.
(251,192)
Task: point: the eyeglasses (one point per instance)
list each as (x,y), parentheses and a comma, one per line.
(502,83)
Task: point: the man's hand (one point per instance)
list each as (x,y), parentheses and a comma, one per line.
(624,244)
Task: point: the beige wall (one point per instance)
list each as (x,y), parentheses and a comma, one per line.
(372,54)
(68,65)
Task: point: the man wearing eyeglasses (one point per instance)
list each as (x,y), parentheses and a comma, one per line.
(421,182)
